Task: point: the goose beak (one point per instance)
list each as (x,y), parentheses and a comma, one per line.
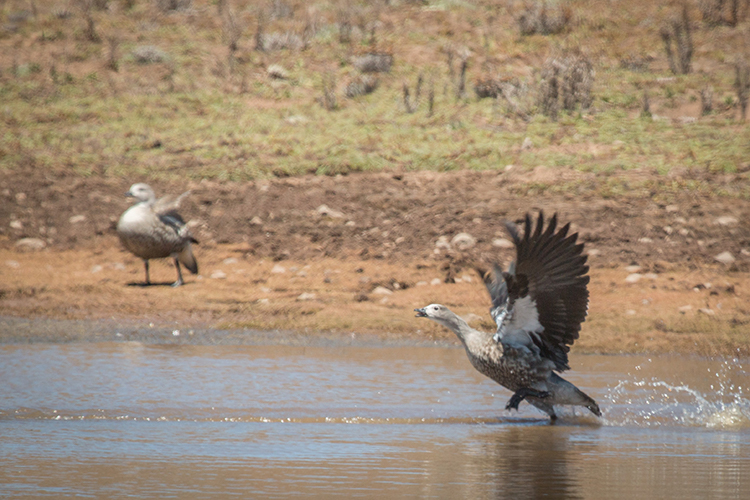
(420,313)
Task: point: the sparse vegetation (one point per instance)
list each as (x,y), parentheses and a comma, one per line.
(361,85)
(742,85)
(170,58)
(677,32)
(567,81)
(537,18)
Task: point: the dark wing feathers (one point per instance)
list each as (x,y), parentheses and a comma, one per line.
(551,269)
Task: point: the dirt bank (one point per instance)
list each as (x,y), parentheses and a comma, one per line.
(357,253)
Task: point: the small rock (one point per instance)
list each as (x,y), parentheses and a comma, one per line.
(422,283)
(277,71)
(256,221)
(633,278)
(436,281)
(218,275)
(651,276)
(95,269)
(706,311)
(119,266)
(442,243)
(325,211)
(645,240)
(464,241)
(31,243)
(20,197)
(76,219)
(634,268)
(593,252)
(725,258)
(176,333)
(672,208)
(12,264)
(466,278)
(16,224)
(683,232)
(263,301)
(668,229)
(726,220)
(265,289)
(503,243)
(278,269)
(229,261)
(527,144)
(381,290)
(630,312)
(685,309)
(306,296)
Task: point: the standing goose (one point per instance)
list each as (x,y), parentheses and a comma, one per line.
(538,306)
(152,229)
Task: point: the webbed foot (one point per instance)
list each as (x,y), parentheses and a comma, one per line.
(522,394)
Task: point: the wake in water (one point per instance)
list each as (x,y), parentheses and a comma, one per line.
(655,401)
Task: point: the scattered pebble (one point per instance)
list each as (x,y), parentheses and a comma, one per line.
(630,312)
(76,219)
(230,260)
(726,220)
(706,311)
(463,241)
(306,296)
(326,211)
(503,243)
(422,283)
(435,281)
(12,264)
(442,242)
(593,252)
(527,144)
(645,240)
(633,278)
(381,290)
(31,243)
(16,224)
(725,258)
(256,221)
(634,268)
(684,309)
(176,333)
(278,269)
(218,275)
(95,269)
(263,301)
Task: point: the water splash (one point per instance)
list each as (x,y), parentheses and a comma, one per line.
(656,402)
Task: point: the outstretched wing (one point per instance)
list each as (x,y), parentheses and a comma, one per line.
(546,290)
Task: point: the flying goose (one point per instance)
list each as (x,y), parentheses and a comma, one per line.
(152,229)
(538,306)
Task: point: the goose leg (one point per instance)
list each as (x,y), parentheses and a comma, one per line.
(522,394)
(145,264)
(179,273)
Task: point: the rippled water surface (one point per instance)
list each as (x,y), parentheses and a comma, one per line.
(128,420)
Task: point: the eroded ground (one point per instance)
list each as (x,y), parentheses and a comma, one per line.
(271,257)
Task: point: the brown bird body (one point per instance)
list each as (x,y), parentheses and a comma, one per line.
(153,229)
(538,306)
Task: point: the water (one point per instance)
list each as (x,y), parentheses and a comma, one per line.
(130,420)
